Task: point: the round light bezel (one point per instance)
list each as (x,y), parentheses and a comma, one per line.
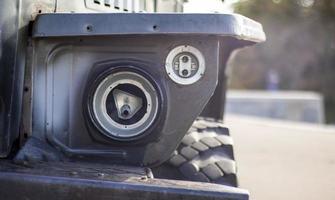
(113,128)
(187,49)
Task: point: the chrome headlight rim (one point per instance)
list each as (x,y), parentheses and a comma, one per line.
(139,78)
(185,49)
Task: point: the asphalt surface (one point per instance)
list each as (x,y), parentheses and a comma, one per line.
(280,160)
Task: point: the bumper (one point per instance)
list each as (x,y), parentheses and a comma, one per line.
(82,181)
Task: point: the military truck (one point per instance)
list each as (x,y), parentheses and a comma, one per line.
(99,100)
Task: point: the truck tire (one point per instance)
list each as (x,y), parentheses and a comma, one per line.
(206,154)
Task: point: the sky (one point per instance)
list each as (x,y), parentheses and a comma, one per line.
(209,6)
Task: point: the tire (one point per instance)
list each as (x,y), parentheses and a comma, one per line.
(205,155)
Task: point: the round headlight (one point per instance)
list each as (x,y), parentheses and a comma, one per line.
(124,104)
(185,65)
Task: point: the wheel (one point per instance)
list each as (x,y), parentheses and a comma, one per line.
(205,155)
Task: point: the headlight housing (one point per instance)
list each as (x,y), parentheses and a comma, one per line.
(125,88)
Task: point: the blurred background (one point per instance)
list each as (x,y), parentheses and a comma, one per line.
(280,105)
(299,53)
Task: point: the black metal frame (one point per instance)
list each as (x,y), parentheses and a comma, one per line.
(86,181)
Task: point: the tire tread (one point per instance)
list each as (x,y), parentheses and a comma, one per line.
(206,154)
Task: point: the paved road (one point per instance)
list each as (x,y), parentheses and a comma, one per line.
(284,161)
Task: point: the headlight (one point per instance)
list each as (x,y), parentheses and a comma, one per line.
(124,104)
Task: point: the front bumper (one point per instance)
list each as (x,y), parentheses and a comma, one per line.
(92,181)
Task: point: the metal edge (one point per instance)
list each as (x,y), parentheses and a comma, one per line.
(102,24)
(39,187)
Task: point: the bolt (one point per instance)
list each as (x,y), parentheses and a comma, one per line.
(89,28)
(25,163)
(125,110)
(73,173)
(184,72)
(185,59)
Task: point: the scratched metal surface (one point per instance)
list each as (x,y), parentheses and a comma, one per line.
(97,181)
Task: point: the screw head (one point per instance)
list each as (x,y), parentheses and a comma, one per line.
(185,59)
